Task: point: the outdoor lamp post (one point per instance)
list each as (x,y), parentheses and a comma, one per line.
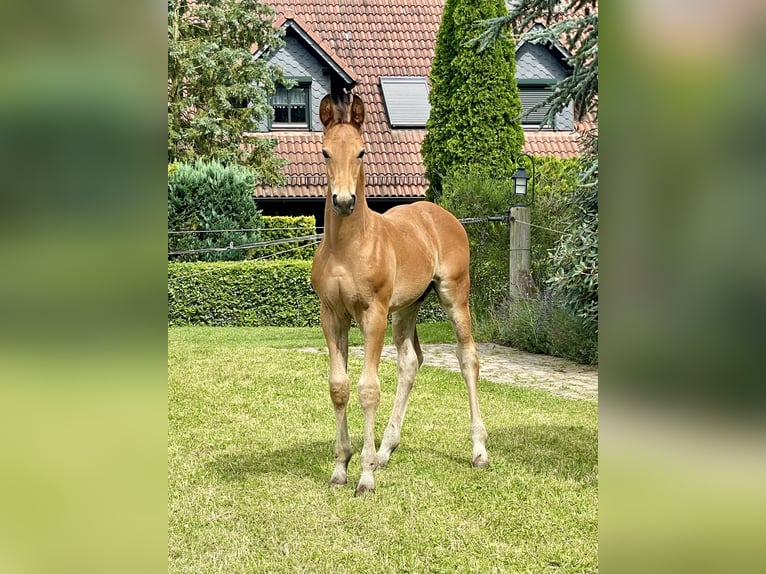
(523,194)
(520,181)
(521,284)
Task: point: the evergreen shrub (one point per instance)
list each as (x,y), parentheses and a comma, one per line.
(475,105)
(575,260)
(205,196)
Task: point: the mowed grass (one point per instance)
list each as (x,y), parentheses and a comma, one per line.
(250,451)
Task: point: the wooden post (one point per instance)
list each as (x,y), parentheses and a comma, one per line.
(520,275)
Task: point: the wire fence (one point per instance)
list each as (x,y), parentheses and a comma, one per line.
(259,244)
(239,262)
(250,230)
(316,238)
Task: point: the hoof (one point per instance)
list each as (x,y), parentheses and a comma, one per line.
(366,484)
(480,462)
(338,479)
(362,489)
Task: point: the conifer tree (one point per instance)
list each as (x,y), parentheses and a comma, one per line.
(475,106)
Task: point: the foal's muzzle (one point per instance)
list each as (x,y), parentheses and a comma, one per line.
(343,205)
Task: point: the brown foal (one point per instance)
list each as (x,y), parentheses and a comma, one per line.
(369,265)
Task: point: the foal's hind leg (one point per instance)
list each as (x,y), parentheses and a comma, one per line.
(410,357)
(453,296)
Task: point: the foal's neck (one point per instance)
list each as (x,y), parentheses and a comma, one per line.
(345,231)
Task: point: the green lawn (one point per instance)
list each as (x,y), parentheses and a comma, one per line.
(250,451)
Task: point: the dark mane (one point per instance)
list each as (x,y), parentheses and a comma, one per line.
(343,106)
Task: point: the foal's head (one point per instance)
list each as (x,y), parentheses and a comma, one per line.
(343,150)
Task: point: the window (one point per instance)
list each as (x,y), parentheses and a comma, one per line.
(531,97)
(406,100)
(292,107)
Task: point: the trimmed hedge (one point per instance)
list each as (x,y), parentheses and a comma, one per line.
(251,294)
(246,294)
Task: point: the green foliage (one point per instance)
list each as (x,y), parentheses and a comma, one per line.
(207,195)
(555,183)
(475,104)
(523,326)
(284,227)
(471,193)
(217,91)
(575,22)
(574,263)
(544,325)
(575,260)
(251,294)
(571,337)
(441,79)
(247,294)
(567,192)
(537,324)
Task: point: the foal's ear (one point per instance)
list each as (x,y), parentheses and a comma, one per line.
(327,113)
(357,112)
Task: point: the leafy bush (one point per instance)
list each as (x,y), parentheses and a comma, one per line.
(575,260)
(571,337)
(522,326)
(251,294)
(472,194)
(555,182)
(205,196)
(285,227)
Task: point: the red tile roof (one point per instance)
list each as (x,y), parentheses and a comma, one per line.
(550,143)
(288,16)
(387,38)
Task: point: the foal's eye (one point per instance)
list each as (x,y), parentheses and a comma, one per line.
(361,154)
(325,154)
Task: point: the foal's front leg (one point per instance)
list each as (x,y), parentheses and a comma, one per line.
(336,334)
(373,328)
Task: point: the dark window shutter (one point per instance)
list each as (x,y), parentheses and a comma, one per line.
(531,97)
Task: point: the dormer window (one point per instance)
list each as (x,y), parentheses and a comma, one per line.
(292,106)
(406,100)
(532,94)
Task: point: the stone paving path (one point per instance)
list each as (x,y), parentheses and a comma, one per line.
(511,366)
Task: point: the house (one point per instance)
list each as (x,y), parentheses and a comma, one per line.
(382,50)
